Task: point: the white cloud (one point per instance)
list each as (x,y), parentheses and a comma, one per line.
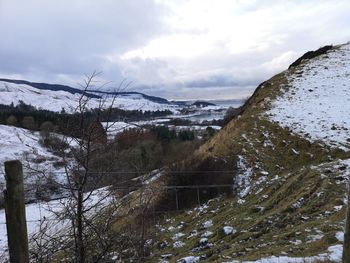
(280,62)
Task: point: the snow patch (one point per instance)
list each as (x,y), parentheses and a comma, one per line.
(316,102)
(242,181)
(207,224)
(178,244)
(189,259)
(228,230)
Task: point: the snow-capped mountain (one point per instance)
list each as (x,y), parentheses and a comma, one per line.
(56,97)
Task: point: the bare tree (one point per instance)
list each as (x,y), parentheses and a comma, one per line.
(84,226)
(89,139)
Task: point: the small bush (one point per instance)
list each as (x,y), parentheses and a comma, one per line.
(54,144)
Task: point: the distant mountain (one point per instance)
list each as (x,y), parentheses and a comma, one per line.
(128,93)
(56,97)
(90,93)
(46,86)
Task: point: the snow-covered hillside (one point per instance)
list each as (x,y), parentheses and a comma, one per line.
(56,100)
(316,101)
(21,144)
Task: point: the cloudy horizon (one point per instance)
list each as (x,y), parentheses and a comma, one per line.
(183,49)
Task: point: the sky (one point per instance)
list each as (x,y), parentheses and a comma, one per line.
(177,49)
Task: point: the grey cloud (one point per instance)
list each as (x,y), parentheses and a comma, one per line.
(67,37)
(60,40)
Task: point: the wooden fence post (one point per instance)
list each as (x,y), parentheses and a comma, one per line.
(15,213)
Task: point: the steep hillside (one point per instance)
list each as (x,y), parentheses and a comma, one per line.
(289,150)
(54,97)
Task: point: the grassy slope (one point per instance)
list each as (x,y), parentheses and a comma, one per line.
(301,198)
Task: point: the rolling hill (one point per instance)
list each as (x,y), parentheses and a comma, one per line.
(55,97)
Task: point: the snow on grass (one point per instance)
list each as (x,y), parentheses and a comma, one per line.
(340,236)
(193,233)
(149,178)
(115,128)
(21,144)
(334,253)
(203,241)
(178,244)
(16,141)
(228,230)
(207,224)
(207,234)
(317,102)
(34,212)
(314,238)
(56,100)
(189,259)
(177,236)
(242,180)
(49,214)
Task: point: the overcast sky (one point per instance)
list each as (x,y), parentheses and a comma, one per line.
(177,49)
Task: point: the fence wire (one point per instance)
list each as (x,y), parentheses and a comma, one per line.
(176,192)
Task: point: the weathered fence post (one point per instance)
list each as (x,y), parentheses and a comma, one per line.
(15,213)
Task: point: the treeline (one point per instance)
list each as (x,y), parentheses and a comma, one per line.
(164,133)
(29,117)
(131,115)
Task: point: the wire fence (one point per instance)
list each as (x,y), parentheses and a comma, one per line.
(177,196)
(45,219)
(132,199)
